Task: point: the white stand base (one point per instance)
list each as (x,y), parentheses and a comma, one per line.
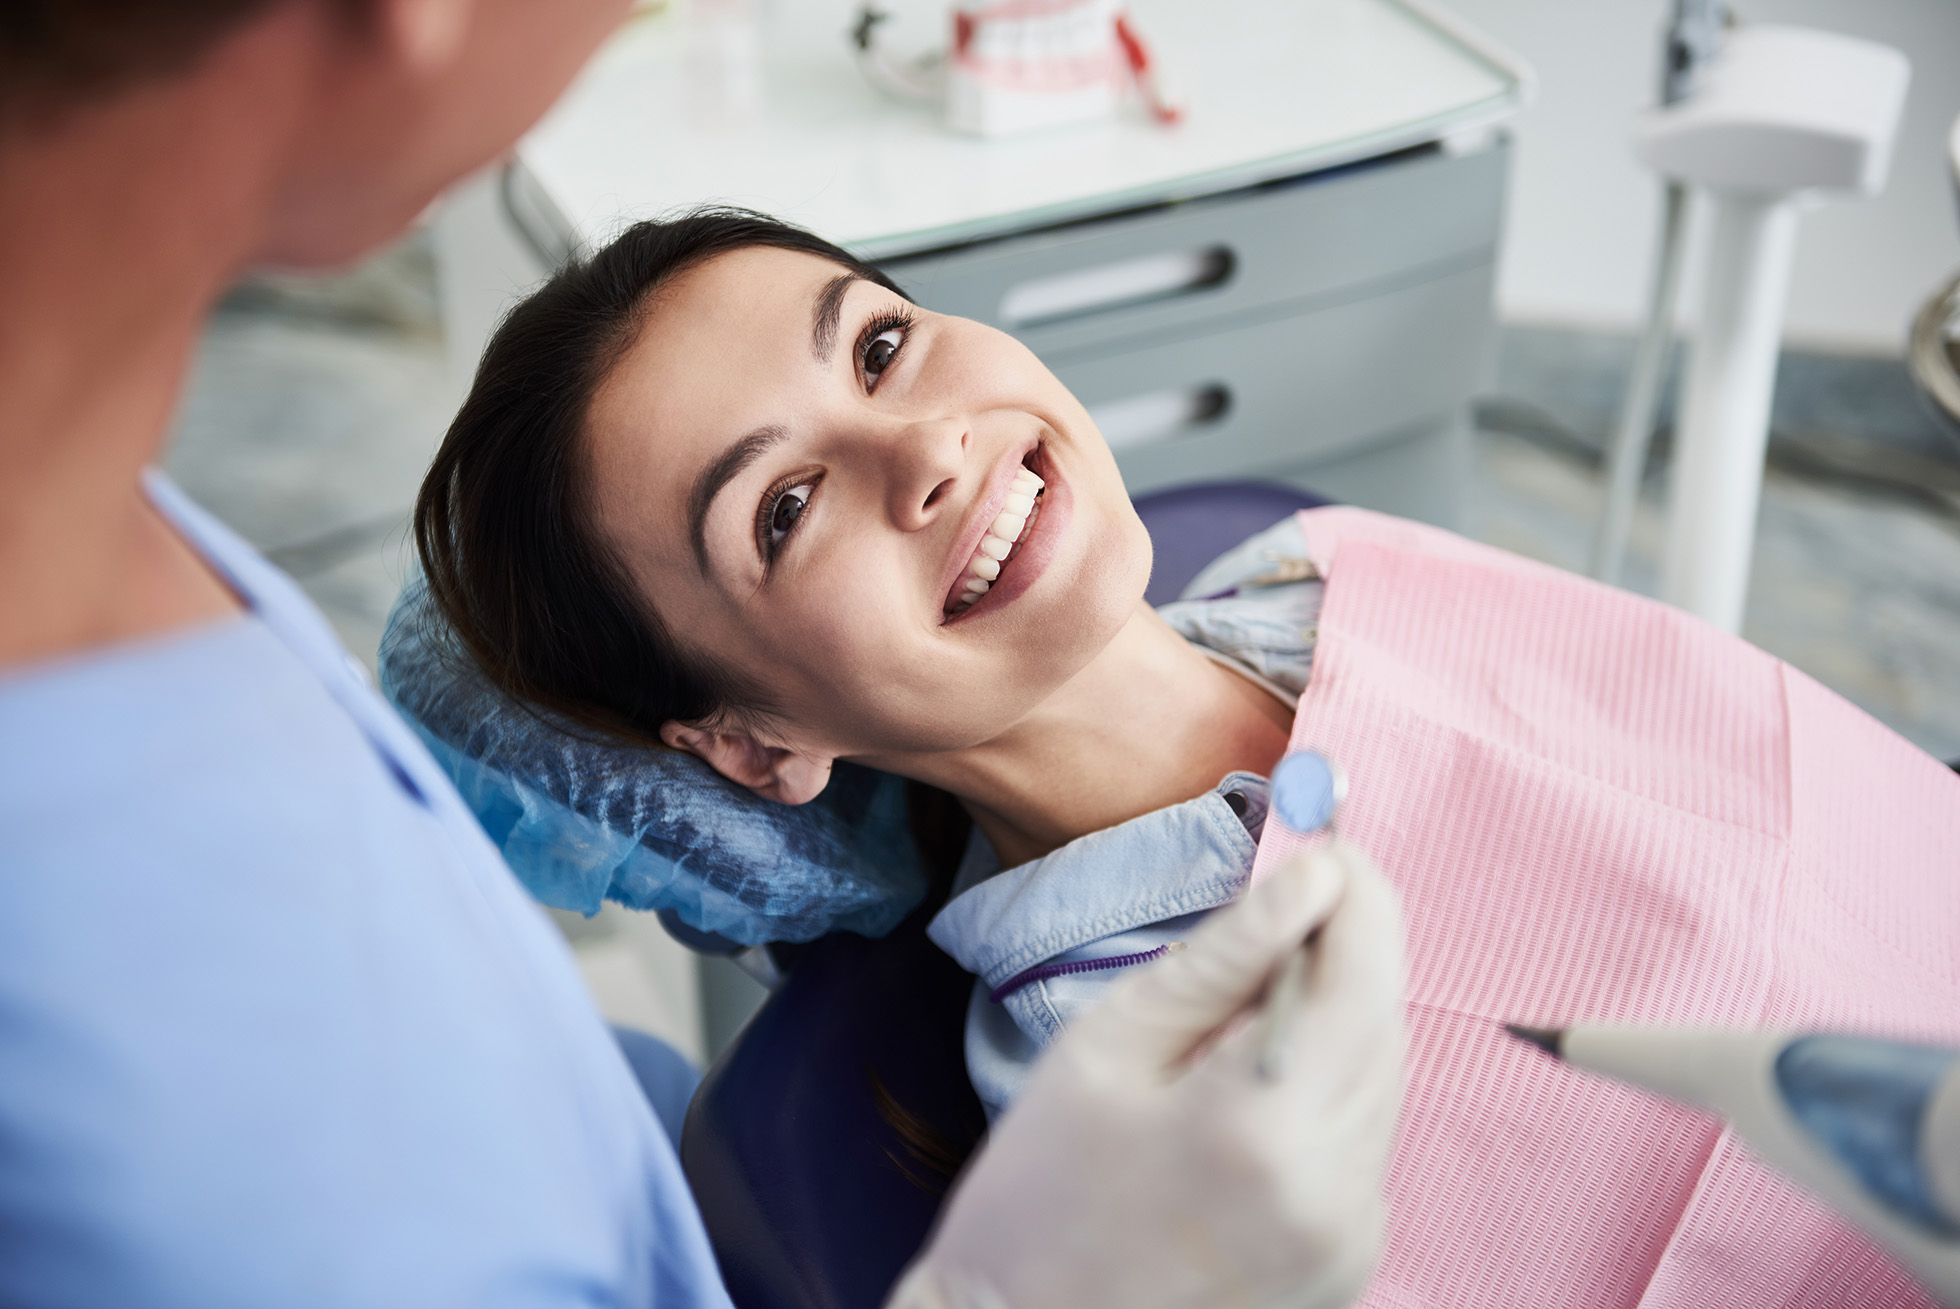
(1723,427)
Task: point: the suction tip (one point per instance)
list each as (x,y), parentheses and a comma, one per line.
(1547,1039)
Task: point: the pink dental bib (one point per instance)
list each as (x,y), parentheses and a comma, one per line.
(1598,808)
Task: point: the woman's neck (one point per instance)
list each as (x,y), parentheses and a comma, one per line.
(1152,721)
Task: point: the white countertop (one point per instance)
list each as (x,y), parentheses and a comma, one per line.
(706,104)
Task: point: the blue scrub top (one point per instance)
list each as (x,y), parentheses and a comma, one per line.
(277,1026)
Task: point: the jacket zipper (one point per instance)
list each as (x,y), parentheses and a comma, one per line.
(1042,972)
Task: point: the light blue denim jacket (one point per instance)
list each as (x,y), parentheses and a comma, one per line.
(1046,937)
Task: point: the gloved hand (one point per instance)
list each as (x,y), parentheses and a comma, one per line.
(1148,1165)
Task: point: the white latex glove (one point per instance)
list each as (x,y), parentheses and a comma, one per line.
(1147,1165)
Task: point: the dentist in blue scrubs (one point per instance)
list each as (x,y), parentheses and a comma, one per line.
(277,1027)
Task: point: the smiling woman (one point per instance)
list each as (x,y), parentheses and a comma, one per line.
(724,487)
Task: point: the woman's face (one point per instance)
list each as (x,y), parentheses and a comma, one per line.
(800,468)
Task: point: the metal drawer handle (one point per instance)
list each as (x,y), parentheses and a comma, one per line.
(1120,285)
(1160,415)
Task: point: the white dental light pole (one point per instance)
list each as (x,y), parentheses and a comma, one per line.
(1723,429)
(1780,117)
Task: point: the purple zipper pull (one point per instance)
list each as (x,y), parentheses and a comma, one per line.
(1042,972)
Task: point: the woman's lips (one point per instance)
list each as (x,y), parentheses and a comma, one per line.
(1003,539)
(980,516)
(1039,540)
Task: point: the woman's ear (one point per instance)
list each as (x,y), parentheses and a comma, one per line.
(771,771)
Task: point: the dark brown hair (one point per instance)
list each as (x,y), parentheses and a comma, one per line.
(54,53)
(505,522)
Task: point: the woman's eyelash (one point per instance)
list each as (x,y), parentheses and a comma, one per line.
(775,501)
(891,320)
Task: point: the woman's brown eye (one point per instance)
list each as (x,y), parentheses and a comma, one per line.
(878,355)
(788,508)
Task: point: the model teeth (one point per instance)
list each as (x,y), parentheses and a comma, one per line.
(1003,538)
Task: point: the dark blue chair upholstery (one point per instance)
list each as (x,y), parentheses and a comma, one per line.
(822,1141)
(1192,525)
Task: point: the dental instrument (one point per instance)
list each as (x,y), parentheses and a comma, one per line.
(1871,1127)
(1307,792)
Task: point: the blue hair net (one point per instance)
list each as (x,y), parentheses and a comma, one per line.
(582,820)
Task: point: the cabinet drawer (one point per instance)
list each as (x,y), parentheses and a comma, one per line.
(1174,269)
(1227,403)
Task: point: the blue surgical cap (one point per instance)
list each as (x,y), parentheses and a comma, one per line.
(582,819)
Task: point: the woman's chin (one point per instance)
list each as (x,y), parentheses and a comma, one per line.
(1090,602)
(1115,570)
(1058,631)
(1104,552)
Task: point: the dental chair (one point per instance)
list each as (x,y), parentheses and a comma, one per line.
(823,1140)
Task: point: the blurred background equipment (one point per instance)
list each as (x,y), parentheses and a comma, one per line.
(1934,350)
(1760,119)
(1693,36)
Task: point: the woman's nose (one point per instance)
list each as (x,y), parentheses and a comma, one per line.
(925,462)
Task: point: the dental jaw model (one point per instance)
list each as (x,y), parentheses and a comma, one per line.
(1005,535)
(1018,65)
(1032,63)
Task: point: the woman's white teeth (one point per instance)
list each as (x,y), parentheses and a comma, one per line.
(1004,534)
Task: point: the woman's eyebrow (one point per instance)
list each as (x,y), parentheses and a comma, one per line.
(829,305)
(718,475)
